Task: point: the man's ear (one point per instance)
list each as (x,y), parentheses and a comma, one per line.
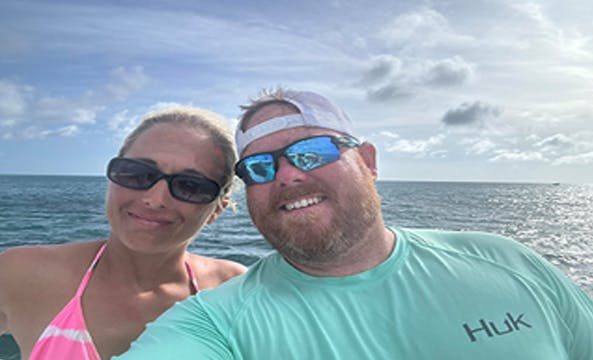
(368,153)
(220,206)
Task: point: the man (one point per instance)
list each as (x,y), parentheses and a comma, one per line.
(343,286)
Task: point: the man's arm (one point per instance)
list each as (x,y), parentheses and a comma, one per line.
(185,331)
(578,315)
(575,308)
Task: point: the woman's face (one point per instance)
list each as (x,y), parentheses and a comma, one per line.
(152,221)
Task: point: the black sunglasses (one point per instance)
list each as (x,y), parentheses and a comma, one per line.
(136,174)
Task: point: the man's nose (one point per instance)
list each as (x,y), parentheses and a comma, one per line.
(287,173)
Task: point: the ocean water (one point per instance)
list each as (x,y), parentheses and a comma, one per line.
(556,220)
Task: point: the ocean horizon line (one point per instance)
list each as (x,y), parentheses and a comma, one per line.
(439,181)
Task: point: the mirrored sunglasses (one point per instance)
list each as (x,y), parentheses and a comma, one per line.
(136,174)
(305,154)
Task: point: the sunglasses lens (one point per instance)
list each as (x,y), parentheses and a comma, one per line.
(136,175)
(312,153)
(306,155)
(257,169)
(194,189)
(132,174)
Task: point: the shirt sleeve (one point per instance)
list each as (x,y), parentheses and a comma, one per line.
(575,308)
(578,314)
(185,331)
(582,348)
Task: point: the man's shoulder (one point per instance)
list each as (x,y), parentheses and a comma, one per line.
(476,245)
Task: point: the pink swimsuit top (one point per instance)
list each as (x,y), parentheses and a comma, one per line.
(67,337)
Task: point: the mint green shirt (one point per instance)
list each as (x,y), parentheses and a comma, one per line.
(440,295)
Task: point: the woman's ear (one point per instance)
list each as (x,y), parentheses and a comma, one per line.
(368,152)
(220,206)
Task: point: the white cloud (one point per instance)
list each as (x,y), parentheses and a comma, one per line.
(126,81)
(556,149)
(34,132)
(579,159)
(478,146)
(13,98)
(53,107)
(122,123)
(67,131)
(423,28)
(164,105)
(8,123)
(33,116)
(554,143)
(441,154)
(64,110)
(517,155)
(390,134)
(544,32)
(84,116)
(417,147)
(565,149)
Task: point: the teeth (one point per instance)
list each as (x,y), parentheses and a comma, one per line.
(302,203)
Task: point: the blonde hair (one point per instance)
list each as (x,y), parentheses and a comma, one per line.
(198,119)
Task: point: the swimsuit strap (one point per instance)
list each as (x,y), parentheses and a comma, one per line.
(88,273)
(192,276)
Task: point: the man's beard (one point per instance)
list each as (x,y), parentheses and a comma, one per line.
(299,240)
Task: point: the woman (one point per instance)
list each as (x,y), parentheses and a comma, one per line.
(90,300)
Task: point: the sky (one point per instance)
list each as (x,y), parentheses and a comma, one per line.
(458,90)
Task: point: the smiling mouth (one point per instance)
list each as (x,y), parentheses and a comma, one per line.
(303,203)
(149,221)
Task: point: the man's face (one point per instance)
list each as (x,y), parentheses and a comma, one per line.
(316,215)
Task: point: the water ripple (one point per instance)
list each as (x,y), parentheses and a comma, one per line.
(556,221)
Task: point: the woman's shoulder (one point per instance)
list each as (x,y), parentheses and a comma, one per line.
(42,262)
(212,272)
(49,253)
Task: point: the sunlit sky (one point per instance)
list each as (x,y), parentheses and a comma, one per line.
(476,90)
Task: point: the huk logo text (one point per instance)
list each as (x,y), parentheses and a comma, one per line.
(489,329)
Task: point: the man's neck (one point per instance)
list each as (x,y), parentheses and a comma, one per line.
(367,254)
